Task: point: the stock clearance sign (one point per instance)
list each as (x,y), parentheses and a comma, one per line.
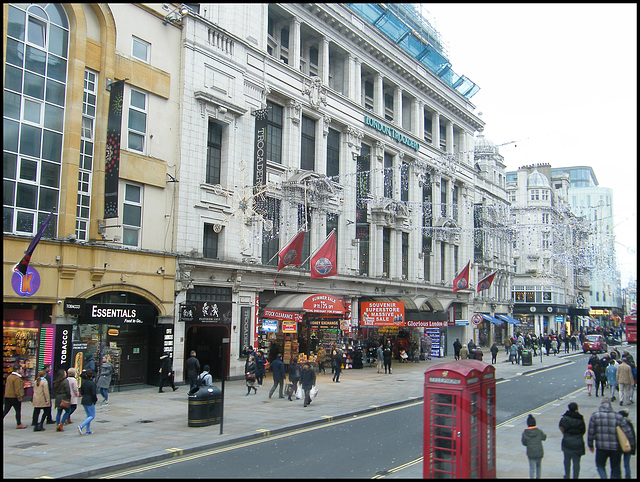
(382,313)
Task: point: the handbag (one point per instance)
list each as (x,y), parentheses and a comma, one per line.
(313,392)
(623,440)
(67,403)
(251,376)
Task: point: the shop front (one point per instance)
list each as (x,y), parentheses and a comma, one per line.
(302,323)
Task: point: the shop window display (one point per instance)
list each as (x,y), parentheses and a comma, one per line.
(20,346)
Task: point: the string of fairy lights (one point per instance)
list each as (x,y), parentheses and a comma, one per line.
(502,224)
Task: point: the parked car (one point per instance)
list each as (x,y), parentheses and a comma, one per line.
(595,343)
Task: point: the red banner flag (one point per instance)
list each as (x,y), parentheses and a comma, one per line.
(485,284)
(323,263)
(21,267)
(462,280)
(292,252)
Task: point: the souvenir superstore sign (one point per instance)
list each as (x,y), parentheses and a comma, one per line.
(382,313)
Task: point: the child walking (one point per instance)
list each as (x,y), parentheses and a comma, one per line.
(590,378)
(532,438)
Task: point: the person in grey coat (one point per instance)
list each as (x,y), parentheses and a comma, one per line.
(602,432)
(106,372)
(573,429)
(277,367)
(532,438)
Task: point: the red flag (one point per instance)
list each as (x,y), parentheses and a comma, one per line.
(323,263)
(462,280)
(292,252)
(485,284)
(21,267)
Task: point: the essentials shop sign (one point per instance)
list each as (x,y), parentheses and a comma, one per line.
(117,314)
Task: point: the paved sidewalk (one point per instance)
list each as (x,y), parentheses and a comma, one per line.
(144,425)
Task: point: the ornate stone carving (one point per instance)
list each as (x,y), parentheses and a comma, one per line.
(316,92)
(295,110)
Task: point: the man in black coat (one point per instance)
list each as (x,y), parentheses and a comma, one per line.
(573,429)
(308,381)
(277,367)
(193,369)
(457,346)
(166,372)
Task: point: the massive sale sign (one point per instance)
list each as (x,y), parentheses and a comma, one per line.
(382,313)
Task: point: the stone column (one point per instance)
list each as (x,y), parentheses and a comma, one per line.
(435,130)
(449,137)
(294,44)
(324,60)
(397,106)
(357,80)
(378,95)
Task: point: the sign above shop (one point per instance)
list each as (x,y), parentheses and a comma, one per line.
(283,315)
(427,324)
(269,326)
(382,313)
(74,306)
(26,285)
(325,304)
(205,312)
(289,327)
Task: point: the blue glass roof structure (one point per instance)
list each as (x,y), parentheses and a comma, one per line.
(413,34)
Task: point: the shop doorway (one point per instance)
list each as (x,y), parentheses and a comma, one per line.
(207,341)
(132,343)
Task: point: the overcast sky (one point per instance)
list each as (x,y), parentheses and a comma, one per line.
(561,80)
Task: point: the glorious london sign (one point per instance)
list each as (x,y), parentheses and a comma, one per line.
(391,132)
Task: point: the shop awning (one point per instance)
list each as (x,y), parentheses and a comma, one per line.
(508,319)
(578,311)
(307,303)
(493,320)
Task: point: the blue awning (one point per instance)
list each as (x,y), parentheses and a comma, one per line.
(493,320)
(508,319)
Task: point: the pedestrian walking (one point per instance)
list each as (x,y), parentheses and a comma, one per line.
(554,346)
(602,433)
(380,358)
(166,372)
(611,372)
(88,401)
(337,361)
(89,364)
(47,410)
(471,346)
(261,364)
(494,353)
(457,346)
(532,438)
(308,380)
(63,398)
(193,369)
(250,375)
(573,429)
(13,393)
(104,380)
(205,379)
(507,345)
(321,358)
(75,393)
(464,352)
(624,378)
(294,377)
(387,355)
(513,353)
(277,367)
(590,378)
(628,430)
(567,341)
(601,377)
(41,400)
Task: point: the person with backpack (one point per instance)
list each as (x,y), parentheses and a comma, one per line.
(205,379)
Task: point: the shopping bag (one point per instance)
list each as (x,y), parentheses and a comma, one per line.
(288,388)
(313,392)
(299,393)
(623,440)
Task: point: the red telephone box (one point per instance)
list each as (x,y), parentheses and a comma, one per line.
(456,442)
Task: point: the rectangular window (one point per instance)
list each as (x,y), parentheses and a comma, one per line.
(308,149)
(443,198)
(214,153)
(270,239)
(367,93)
(545,195)
(274,133)
(140,49)
(333,153)
(388,107)
(209,242)
(388,175)
(454,202)
(545,240)
(137,121)
(132,215)
(442,262)
(386,252)
(85,168)
(304,221)
(37,32)
(405,255)
(545,218)
(404,182)
(362,234)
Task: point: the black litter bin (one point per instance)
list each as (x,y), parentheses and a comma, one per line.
(527,358)
(205,407)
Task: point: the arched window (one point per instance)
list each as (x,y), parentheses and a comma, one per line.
(33,117)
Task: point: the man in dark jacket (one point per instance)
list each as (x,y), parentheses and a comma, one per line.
(457,346)
(193,369)
(573,429)
(277,367)
(602,431)
(166,372)
(308,381)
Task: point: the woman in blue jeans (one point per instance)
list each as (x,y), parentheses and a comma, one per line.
(632,440)
(89,399)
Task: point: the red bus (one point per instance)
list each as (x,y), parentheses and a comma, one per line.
(631,323)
